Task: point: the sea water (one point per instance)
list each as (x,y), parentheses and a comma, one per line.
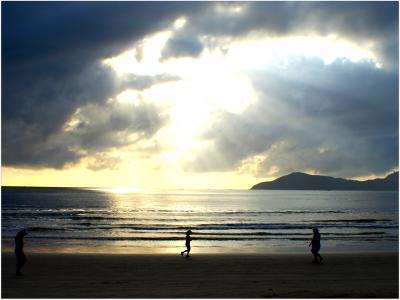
(222,221)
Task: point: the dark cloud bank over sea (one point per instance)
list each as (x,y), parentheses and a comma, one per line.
(347,125)
(51,55)
(338,119)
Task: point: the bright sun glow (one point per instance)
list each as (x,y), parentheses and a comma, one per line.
(220,95)
(129,96)
(257,53)
(215,81)
(143,59)
(179,23)
(119,190)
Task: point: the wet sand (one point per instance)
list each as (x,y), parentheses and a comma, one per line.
(202,276)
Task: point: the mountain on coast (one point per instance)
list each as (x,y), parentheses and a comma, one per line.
(303,181)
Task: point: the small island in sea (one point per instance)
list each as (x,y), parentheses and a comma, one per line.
(303,181)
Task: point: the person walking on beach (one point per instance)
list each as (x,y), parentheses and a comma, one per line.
(188,240)
(19,251)
(316,245)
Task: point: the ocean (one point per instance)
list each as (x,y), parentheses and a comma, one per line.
(72,220)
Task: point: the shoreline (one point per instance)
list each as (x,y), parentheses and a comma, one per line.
(55,251)
(353,275)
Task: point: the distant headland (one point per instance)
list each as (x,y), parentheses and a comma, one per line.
(303,181)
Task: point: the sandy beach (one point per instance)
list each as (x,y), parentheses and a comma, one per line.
(201,276)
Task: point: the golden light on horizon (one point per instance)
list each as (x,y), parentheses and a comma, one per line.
(127,190)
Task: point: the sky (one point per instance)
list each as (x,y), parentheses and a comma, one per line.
(165,95)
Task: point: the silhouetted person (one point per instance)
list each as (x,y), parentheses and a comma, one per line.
(316,245)
(19,250)
(188,239)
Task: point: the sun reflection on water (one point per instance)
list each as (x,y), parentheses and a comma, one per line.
(130,190)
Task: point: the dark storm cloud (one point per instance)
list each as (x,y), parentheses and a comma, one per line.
(112,124)
(339,119)
(92,29)
(181,46)
(50,67)
(95,128)
(357,21)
